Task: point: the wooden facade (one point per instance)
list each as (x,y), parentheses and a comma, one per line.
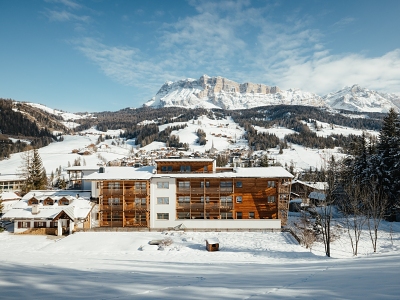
(232,198)
(170,166)
(124,203)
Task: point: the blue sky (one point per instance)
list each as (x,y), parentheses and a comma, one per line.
(98,55)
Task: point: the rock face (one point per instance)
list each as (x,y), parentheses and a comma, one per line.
(219,92)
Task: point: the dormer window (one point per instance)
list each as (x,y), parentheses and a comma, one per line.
(63,201)
(33,200)
(48,201)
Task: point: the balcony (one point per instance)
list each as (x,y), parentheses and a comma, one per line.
(111,207)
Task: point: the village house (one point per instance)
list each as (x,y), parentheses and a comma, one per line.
(11,182)
(50,212)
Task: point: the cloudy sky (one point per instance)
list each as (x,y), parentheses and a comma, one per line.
(98,55)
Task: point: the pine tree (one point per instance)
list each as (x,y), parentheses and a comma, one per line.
(389,157)
(33,172)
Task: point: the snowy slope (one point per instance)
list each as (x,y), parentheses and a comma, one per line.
(360,99)
(65,115)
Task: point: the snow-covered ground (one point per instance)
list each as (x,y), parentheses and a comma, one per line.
(249,265)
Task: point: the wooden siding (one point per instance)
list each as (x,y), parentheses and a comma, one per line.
(124,203)
(216,198)
(165,167)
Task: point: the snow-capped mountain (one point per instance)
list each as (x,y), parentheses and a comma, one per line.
(219,92)
(356,98)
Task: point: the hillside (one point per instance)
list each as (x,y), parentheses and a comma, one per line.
(23,126)
(219,92)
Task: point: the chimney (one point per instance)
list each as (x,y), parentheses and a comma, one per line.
(35,209)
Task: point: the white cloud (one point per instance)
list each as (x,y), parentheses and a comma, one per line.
(329,73)
(63,16)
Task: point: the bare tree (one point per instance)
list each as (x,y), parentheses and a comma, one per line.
(376,205)
(354,211)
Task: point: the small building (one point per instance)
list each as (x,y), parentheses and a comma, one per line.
(317,198)
(51,212)
(212,244)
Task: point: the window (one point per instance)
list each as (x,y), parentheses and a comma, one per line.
(163,216)
(162,200)
(238,215)
(113,186)
(239,184)
(226,201)
(271,184)
(202,184)
(271,199)
(184,184)
(163,185)
(205,169)
(226,215)
(140,185)
(251,214)
(140,201)
(226,186)
(113,201)
(166,168)
(184,199)
(183,215)
(186,169)
(238,199)
(207,199)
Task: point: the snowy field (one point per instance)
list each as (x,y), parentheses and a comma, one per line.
(249,265)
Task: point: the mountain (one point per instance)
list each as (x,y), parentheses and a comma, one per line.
(219,92)
(356,98)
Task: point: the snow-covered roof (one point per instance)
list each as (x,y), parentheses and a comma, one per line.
(212,241)
(8,196)
(78,208)
(122,173)
(81,168)
(185,159)
(10,177)
(315,185)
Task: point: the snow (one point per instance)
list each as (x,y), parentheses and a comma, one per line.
(249,265)
(65,115)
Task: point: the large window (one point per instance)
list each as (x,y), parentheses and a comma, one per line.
(162,200)
(166,168)
(226,186)
(186,169)
(162,216)
(163,185)
(183,215)
(207,199)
